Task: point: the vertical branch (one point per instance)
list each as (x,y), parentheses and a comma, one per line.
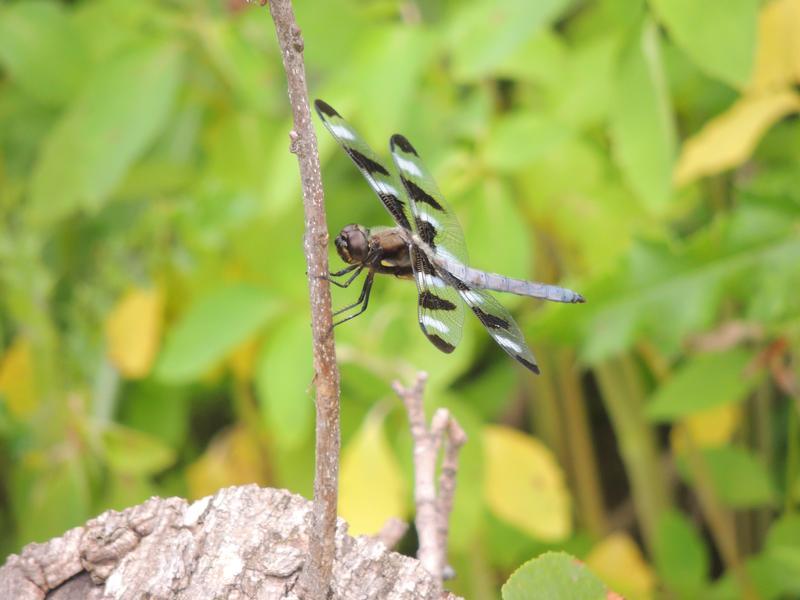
(433,511)
(316,576)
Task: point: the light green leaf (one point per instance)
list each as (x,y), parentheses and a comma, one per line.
(41,50)
(135,452)
(213,326)
(783,547)
(718,35)
(680,555)
(705,382)
(284,374)
(666,292)
(521,138)
(552,576)
(108,126)
(50,498)
(491,207)
(483,34)
(739,479)
(642,126)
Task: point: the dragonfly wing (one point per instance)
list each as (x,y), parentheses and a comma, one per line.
(440,309)
(499,323)
(382,181)
(435,222)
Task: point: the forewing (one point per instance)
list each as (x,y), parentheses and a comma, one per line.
(440,309)
(500,325)
(435,222)
(382,181)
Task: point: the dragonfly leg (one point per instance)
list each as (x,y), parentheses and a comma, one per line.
(363,300)
(358,269)
(344,271)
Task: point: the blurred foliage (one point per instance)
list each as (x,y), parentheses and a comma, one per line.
(153,308)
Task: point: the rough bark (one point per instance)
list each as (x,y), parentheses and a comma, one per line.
(242,542)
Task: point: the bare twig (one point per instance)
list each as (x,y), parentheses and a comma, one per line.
(392,532)
(316,576)
(433,511)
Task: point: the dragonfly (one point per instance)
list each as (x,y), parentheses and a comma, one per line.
(426,245)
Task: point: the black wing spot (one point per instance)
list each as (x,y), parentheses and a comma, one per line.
(323,108)
(419,195)
(489,320)
(426,231)
(422,262)
(532,366)
(395,206)
(457,283)
(402,143)
(434,302)
(445,347)
(366,163)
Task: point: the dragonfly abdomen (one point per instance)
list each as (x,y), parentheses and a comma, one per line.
(521,287)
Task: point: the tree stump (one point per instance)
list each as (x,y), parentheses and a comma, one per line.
(242,542)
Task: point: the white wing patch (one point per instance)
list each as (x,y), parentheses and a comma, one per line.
(386,188)
(342,131)
(436,324)
(407,166)
(429,218)
(471,297)
(426,280)
(507,343)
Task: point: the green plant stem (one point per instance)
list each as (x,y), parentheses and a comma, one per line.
(583,464)
(720,521)
(792,456)
(544,409)
(763,443)
(623,395)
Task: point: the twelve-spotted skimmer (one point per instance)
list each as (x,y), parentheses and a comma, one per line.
(428,245)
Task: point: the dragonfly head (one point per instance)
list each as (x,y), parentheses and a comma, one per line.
(352,244)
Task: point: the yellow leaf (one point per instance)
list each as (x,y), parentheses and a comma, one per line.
(729,139)
(619,563)
(524,485)
(234,457)
(778,53)
(708,428)
(17,383)
(133,332)
(372,485)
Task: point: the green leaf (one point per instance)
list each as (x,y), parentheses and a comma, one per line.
(50,498)
(665,292)
(718,35)
(704,382)
(552,576)
(491,207)
(213,326)
(521,138)
(42,51)
(483,34)
(284,375)
(680,555)
(135,452)
(107,127)
(739,479)
(783,548)
(642,125)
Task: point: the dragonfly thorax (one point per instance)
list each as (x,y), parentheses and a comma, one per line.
(352,244)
